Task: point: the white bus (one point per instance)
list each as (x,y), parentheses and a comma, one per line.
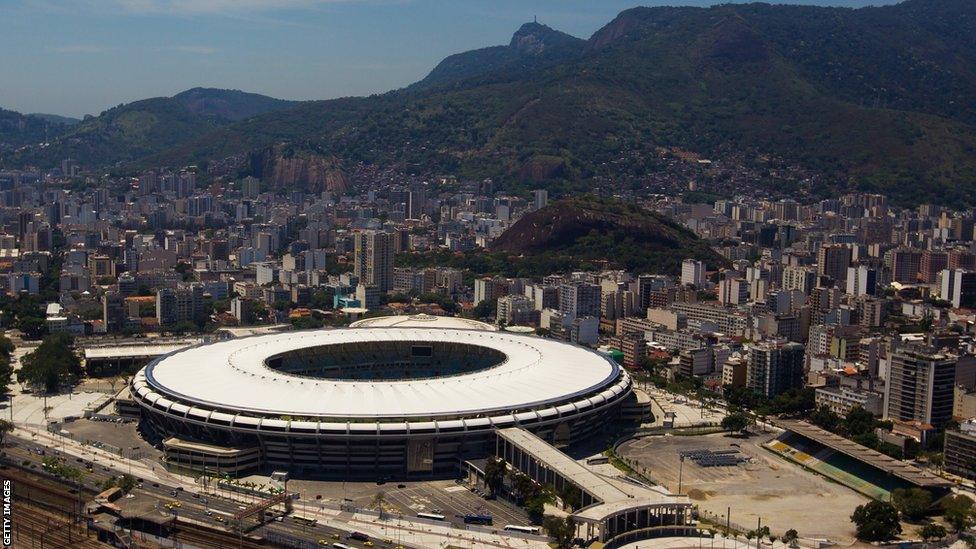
(522,529)
(431,516)
(305,521)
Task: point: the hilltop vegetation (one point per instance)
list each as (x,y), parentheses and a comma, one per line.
(141,128)
(582,234)
(17,130)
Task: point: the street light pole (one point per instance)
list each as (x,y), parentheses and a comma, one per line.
(681,466)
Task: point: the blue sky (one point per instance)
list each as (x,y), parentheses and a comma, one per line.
(74,57)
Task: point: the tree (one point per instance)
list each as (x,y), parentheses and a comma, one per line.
(932,531)
(790,537)
(5,427)
(912,503)
(858,422)
(735,422)
(959,512)
(876,521)
(825,418)
(562,530)
(494,474)
(52,363)
(379,503)
(6,373)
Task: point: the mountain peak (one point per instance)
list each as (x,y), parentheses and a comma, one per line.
(535,38)
(231,105)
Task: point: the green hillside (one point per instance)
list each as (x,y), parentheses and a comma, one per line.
(880,99)
(143,128)
(17,130)
(580,234)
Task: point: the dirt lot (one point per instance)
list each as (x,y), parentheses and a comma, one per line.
(782,494)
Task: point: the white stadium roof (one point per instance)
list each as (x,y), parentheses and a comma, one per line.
(233,375)
(421,321)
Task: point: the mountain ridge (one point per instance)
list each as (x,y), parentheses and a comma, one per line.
(878,99)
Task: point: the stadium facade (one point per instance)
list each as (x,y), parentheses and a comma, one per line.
(412,399)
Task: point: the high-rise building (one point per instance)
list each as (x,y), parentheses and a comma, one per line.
(960,449)
(693,273)
(417,202)
(862,280)
(904,264)
(516,309)
(932,262)
(113,311)
(733,291)
(775,367)
(577,299)
(179,305)
(958,287)
(243,310)
(833,261)
(540,198)
(920,385)
(373,262)
(490,289)
(803,279)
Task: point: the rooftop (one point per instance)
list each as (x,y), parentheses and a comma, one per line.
(234,375)
(888,464)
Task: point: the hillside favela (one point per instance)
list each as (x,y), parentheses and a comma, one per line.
(515,274)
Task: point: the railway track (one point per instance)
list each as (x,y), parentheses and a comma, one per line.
(40,528)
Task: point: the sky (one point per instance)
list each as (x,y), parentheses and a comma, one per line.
(77,57)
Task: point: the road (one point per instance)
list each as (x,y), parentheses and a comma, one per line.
(193,506)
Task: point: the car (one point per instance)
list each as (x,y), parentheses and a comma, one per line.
(367,543)
(155,485)
(323,542)
(219,518)
(401,486)
(208,512)
(335,535)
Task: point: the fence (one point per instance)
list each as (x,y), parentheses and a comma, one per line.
(721,521)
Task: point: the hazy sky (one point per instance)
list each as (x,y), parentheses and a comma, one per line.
(74,57)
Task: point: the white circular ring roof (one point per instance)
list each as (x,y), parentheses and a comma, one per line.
(233,375)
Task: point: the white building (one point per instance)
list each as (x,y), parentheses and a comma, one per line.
(693,273)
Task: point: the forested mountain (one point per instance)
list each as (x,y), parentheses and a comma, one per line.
(141,128)
(878,98)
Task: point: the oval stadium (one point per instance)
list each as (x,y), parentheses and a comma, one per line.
(401,400)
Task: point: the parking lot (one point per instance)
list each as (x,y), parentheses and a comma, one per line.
(782,494)
(120,435)
(444,497)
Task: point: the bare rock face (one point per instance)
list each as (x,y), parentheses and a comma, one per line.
(301,170)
